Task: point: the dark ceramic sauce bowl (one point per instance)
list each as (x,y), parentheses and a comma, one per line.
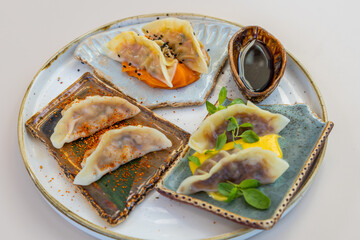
(237,45)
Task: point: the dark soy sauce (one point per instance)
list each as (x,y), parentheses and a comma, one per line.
(256,66)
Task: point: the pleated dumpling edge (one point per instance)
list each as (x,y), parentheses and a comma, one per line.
(264,123)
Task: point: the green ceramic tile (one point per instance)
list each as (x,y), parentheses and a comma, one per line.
(298,140)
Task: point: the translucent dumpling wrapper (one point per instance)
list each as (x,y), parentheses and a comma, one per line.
(142,53)
(264,123)
(83,118)
(251,163)
(117,147)
(179,35)
(210,162)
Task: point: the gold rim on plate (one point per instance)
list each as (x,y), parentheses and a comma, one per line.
(106,232)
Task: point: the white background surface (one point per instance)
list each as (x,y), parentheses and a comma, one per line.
(323,35)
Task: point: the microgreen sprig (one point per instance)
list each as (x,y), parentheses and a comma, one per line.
(220,141)
(237,101)
(222,95)
(195,160)
(246,188)
(211,108)
(248,136)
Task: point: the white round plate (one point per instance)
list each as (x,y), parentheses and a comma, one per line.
(156,217)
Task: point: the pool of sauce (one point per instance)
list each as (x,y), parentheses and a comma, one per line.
(256,68)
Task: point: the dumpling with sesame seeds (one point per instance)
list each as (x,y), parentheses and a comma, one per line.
(143,54)
(180,37)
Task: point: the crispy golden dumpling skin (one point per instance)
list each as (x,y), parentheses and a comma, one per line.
(144,54)
(179,35)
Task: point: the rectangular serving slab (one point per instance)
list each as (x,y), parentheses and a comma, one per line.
(116,194)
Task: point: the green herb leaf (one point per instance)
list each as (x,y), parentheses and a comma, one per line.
(238,145)
(236,101)
(194,159)
(249,183)
(234,193)
(225,188)
(249,136)
(232,125)
(222,95)
(256,198)
(221,107)
(210,107)
(220,141)
(247,125)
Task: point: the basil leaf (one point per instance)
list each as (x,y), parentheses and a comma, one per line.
(222,95)
(220,107)
(233,194)
(236,101)
(220,141)
(232,125)
(249,136)
(225,188)
(238,145)
(210,107)
(247,125)
(256,198)
(249,183)
(194,159)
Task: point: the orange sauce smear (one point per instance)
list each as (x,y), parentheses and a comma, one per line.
(183,76)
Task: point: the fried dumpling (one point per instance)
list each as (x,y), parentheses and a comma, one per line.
(117,147)
(250,163)
(142,53)
(264,123)
(83,118)
(180,37)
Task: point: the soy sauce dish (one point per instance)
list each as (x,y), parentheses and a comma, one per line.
(257,61)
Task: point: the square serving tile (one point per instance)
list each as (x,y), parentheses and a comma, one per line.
(301,140)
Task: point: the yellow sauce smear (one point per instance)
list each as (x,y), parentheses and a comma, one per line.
(183,76)
(267,142)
